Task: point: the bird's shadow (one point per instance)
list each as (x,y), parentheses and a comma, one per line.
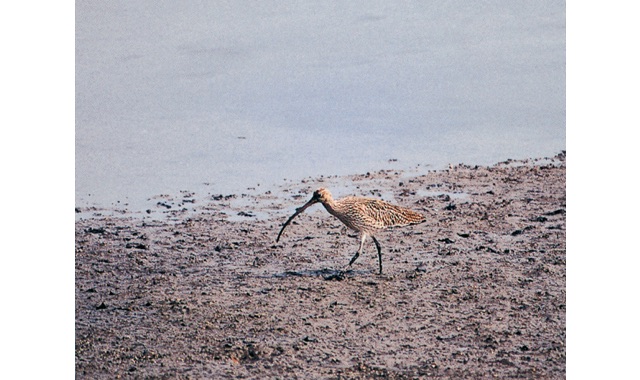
(326,273)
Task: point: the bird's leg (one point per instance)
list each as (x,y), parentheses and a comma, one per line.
(379,252)
(363,237)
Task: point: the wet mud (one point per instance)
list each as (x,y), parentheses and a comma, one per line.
(477,291)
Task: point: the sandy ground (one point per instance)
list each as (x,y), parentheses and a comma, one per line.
(478,291)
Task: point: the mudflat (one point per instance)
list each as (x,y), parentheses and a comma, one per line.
(477,291)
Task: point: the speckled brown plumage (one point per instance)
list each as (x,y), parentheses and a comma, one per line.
(364,215)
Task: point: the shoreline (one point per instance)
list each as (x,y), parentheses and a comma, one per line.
(201,289)
(185,203)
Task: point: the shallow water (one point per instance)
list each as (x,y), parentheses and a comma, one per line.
(218,97)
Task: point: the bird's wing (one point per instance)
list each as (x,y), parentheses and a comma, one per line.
(380,214)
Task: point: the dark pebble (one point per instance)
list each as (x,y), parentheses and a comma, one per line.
(136,245)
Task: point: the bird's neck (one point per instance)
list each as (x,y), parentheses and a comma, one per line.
(335,208)
(330,205)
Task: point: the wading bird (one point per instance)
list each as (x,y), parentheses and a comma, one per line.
(363,215)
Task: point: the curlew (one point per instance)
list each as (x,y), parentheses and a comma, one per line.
(363,215)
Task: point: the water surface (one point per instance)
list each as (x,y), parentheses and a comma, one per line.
(220,96)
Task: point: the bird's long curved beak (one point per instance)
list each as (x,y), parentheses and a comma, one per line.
(299,210)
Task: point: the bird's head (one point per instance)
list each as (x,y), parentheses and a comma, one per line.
(321,195)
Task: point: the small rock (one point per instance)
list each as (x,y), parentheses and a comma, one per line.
(163,204)
(136,245)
